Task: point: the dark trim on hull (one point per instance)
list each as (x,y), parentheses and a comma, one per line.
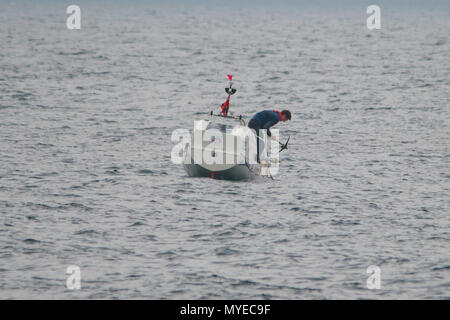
(238,172)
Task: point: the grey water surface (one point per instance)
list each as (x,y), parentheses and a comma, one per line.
(86,176)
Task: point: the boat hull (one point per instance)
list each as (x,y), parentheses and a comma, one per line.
(235,162)
(237,172)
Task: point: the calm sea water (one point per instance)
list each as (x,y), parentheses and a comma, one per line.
(86,177)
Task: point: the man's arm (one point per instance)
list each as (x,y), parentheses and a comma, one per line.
(267,127)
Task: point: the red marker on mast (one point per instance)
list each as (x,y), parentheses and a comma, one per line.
(226,105)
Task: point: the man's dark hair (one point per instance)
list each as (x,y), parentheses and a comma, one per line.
(287,114)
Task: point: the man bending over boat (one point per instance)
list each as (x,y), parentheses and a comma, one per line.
(266,119)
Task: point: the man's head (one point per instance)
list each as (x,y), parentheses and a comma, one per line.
(285,115)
